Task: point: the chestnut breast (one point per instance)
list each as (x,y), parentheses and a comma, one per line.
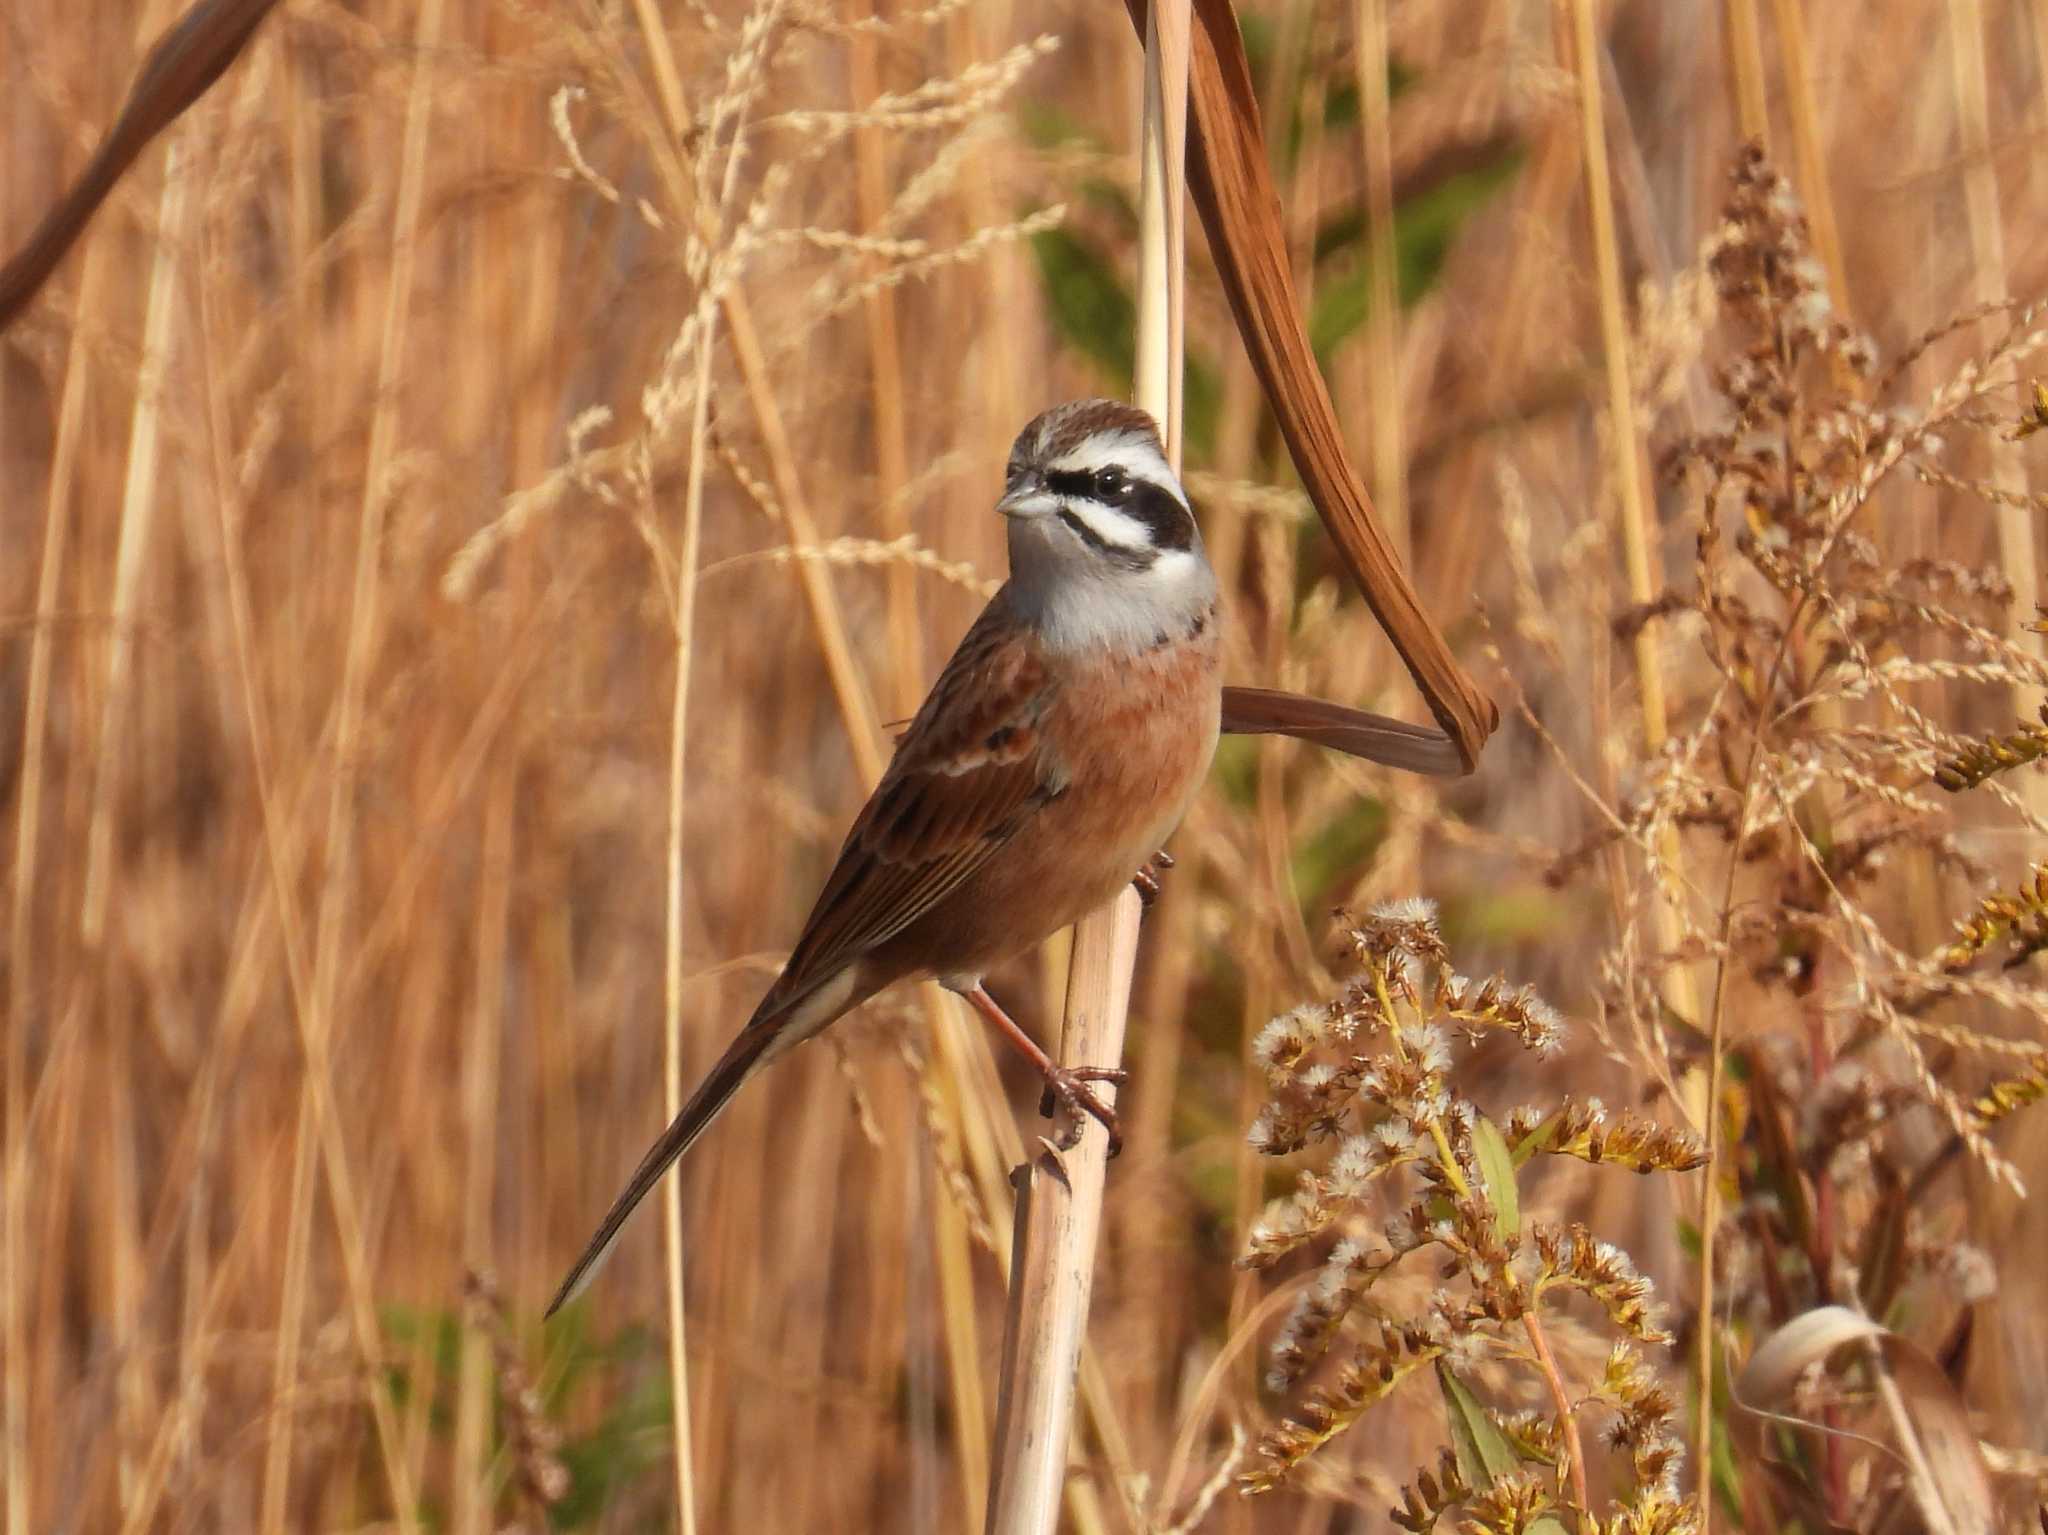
(1128,738)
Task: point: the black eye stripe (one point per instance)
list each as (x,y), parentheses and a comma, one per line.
(1129,559)
(1153,506)
(1162,514)
(1071,482)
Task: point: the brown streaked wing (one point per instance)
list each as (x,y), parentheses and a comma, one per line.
(967,773)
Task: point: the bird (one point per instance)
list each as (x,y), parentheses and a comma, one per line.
(1059,748)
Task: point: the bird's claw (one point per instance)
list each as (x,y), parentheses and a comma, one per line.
(1146,880)
(1068,1085)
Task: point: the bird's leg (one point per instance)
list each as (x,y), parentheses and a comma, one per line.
(1146,880)
(1064,1084)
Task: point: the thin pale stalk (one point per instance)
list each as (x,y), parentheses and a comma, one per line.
(1059,1207)
(1746,71)
(2017,556)
(1383,317)
(885,373)
(15,1281)
(473,1511)
(672,1011)
(1061,1194)
(1644,578)
(1813,167)
(317,1118)
(138,519)
(1638,531)
(139,498)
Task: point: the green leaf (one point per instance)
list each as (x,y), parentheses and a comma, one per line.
(1482,1450)
(1096,315)
(1424,226)
(1088,304)
(1497,1167)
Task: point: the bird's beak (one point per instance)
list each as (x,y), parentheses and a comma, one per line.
(1026,496)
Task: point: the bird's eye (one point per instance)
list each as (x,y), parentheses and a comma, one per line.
(1110,484)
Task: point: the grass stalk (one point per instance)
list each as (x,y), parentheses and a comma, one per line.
(2018,556)
(139,500)
(16,1274)
(1806,145)
(480,1066)
(318,1123)
(672,1010)
(1746,71)
(1638,536)
(885,377)
(1383,320)
(1645,579)
(1060,1195)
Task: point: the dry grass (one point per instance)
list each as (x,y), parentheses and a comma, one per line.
(347,484)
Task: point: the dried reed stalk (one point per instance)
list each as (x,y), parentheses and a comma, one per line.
(1059,1204)
(319,1125)
(2018,556)
(1746,70)
(15,1272)
(1645,576)
(1383,319)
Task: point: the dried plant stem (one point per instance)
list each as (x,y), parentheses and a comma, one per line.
(2018,557)
(672,1011)
(472,1512)
(1636,533)
(1806,145)
(1059,1208)
(885,373)
(23,1007)
(318,1121)
(1574,1451)
(1645,578)
(669,82)
(1060,1195)
(864,738)
(1161,221)
(139,498)
(1746,71)
(1383,319)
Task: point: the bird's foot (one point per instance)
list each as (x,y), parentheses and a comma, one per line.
(1068,1085)
(1146,880)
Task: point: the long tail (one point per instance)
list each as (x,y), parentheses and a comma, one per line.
(742,1058)
(1412,748)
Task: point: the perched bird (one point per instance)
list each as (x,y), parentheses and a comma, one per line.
(1058,749)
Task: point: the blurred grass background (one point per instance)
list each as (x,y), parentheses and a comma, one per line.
(341,502)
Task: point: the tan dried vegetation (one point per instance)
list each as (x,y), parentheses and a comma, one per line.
(483,428)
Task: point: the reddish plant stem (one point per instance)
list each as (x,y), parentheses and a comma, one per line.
(1569,1424)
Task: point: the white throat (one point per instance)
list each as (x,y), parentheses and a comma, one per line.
(1077,605)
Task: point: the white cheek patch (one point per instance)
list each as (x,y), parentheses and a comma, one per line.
(1109,526)
(1131,452)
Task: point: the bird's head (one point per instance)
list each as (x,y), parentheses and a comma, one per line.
(1104,549)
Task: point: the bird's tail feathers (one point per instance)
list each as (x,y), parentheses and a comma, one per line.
(763,1037)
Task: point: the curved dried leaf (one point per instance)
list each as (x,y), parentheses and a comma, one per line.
(1946,1473)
